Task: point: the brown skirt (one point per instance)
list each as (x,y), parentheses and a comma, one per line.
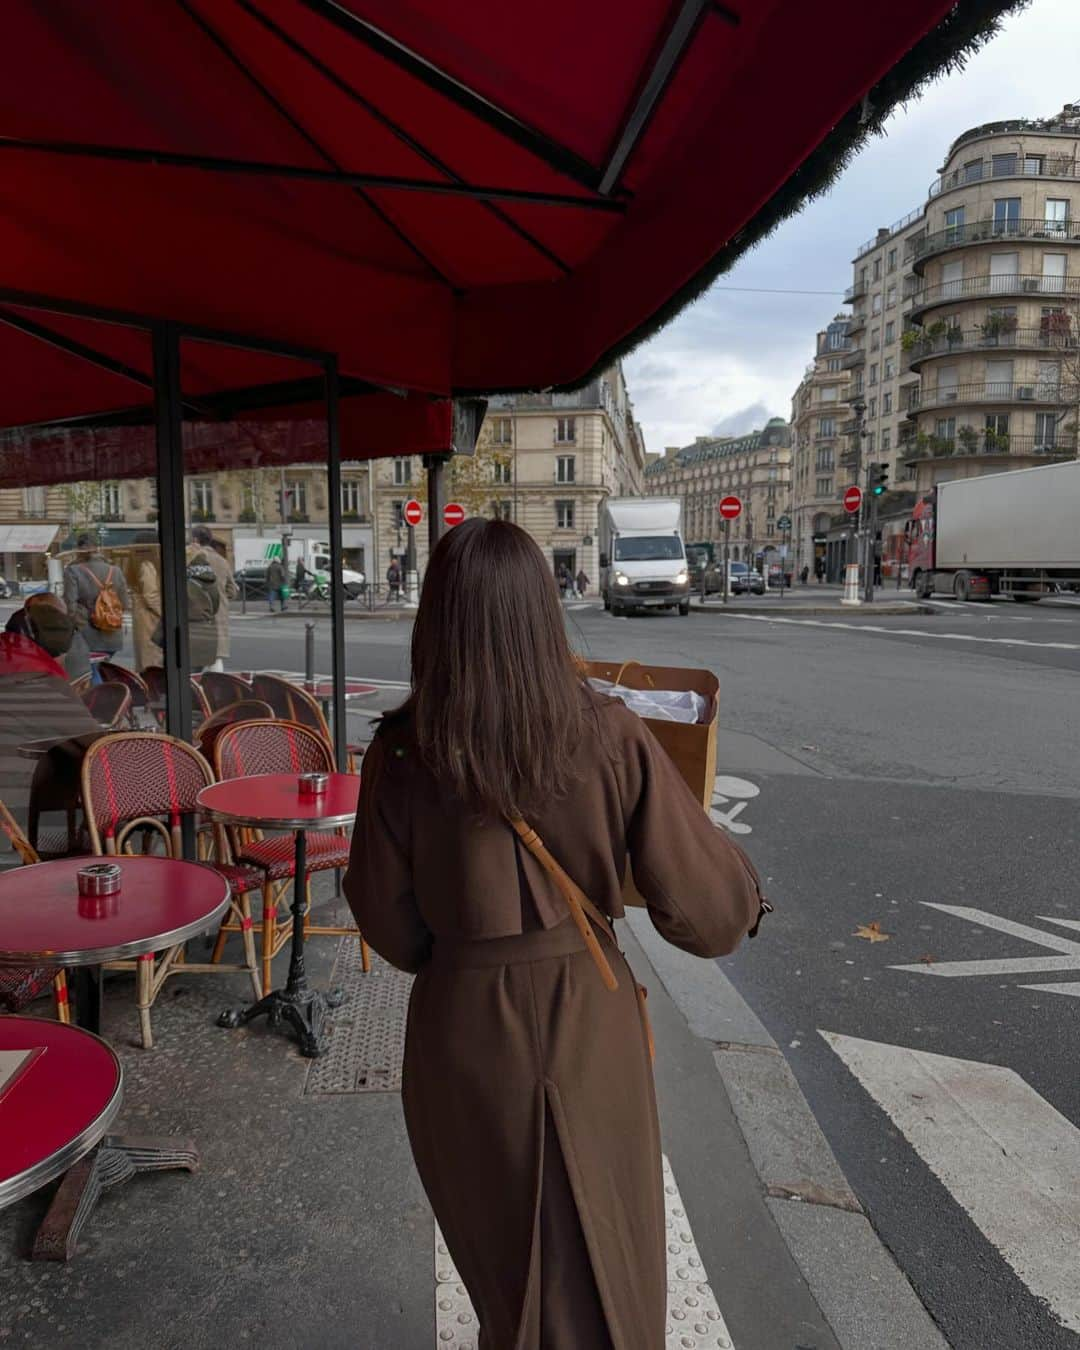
(529,1101)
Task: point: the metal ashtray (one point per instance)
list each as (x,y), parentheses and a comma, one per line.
(313,784)
(99,879)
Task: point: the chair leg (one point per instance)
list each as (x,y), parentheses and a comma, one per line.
(268,934)
(248,936)
(144,997)
(365,956)
(60,998)
(219,945)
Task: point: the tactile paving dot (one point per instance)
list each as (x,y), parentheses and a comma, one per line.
(366,1041)
(694,1320)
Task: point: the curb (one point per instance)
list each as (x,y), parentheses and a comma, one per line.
(787,611)
(857,1285)
(351,616)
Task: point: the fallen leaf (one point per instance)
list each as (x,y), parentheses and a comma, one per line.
(871,932)
(927,959)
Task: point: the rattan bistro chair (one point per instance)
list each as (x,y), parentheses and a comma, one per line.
(243,710)
(113,673)
(294,704)
(137,787)
(20,985)
(109,704)
(282,747)
(221,688)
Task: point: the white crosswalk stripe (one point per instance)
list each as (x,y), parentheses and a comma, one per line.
(694,1319)
(1004,1153)
(908,632)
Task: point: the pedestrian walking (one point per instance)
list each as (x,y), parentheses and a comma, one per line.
(563,575)
(804,575)
(819,570)
(582,583)
(144,585)
(526,1064)
(393,581)
(227,591)
(204,600)
(301,579)
(275,584)
(96,596)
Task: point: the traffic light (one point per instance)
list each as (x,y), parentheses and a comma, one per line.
(879,478)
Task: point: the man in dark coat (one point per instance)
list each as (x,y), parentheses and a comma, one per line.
(83,582)
(275,584)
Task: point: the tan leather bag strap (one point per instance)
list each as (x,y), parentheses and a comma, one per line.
(577,901)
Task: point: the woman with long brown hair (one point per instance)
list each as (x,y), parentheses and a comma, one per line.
(527,1087)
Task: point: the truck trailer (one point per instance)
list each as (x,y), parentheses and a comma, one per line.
(1015,533)
(642,556)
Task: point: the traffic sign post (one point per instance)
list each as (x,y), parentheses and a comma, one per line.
(730,508)
(453,514)
(412,512)
(852,499)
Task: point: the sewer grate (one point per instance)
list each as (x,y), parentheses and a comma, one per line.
(366,1040)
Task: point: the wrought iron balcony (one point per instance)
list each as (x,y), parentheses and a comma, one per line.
(1005,166)
(979,441)
(1056,394)
(856,291)
(854,358)
(991,232)
(1056,334)
(981,287)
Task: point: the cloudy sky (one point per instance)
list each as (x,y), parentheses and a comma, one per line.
(734,358)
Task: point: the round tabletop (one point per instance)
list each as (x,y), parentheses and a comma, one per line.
(59,1092)
(324,689)
(272,801)
(40,748)
(162,901)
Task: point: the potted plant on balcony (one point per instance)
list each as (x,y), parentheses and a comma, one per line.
(969,440)
(954,335)
(909,338)
(936,331)
(997,442)
(995,325)
(247,516)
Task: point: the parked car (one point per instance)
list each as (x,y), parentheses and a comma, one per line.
(745,582)
(5,589)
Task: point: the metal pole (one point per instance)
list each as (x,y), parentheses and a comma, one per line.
(309,655)
(436,476)
(870,530)
(337,568)
(725,580)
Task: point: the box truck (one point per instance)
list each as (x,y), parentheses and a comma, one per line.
(642,557)
(1013,533)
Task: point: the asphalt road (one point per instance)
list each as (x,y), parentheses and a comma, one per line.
(879,768)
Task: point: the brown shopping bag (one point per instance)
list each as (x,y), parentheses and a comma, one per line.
(691,746)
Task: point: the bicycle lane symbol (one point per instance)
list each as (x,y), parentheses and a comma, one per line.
(730,796)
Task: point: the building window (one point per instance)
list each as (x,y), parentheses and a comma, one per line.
(830,394)
(945,429)
(202,498)
(33,501)
(1003,166)
(1057,214)
(566,469)
(774,456)
(871,408)
(954,224)
(296,493)
(892,260)
(875,303)
(825,460)
(1033,165)
(502,471)
(875,340)
(873,374)
(565,430)
(402,471)
(1045,430)
(886,440)
(890,297)
(889,369)
(826,426)
(973,171)
(772,474)
(350,496)
(502,431)
(877,268)
(890,332)
(886,403)
(832,365)
(869,442)
(564,515)
(824,487)
(770,529)
(501,510)
(1006,214)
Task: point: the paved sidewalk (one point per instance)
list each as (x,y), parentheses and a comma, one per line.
(307,1226)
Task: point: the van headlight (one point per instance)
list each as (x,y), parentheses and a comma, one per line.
(621,579)
(682,578)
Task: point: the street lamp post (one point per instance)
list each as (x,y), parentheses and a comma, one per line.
(859,409)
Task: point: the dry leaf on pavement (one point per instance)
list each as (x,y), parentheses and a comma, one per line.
(871,932)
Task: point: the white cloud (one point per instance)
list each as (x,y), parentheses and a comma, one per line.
(738,349)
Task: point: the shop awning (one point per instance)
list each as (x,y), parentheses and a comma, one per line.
(465,197)
(26,538)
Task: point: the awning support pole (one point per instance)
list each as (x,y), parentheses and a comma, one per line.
(436,495)
(337,563)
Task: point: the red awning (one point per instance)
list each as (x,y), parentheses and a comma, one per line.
(449,197)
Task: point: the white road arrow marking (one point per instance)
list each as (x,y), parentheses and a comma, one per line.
(1072,988)
(1069,959)
(1003,1152)
(907,632)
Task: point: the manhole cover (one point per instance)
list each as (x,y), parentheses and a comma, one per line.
(367,1034)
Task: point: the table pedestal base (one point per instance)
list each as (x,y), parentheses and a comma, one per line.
(302,1013)
(117,1158)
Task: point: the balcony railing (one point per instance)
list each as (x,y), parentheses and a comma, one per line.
(993,232)
(854,358)
(977,441)
(856,324)
(1056,393)
(1006,166)
(972,288)
(994,335)
(856,291)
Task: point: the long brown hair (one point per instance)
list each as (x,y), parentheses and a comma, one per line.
(496,705)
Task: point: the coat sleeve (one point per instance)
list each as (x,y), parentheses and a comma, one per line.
(72,599)
(378,884)
(702,892)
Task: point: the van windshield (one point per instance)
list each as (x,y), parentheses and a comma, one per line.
(649,548)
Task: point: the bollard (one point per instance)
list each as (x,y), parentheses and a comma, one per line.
(851,594)
(309,655)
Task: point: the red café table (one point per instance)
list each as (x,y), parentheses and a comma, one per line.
(44,921)
(272,801)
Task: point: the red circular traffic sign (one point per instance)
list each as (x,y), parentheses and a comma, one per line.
(852,499)
(730,508)
(453,513)
(413,512)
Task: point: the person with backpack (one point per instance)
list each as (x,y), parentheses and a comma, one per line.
(96,595)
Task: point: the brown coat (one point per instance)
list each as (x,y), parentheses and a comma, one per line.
(528,1092)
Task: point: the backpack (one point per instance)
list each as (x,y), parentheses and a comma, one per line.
(107,615)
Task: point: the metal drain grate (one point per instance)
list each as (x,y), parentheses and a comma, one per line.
(367,1035)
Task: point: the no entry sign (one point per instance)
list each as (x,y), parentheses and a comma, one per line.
(730,508)
(413,512)
(852,499)
(453,513)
